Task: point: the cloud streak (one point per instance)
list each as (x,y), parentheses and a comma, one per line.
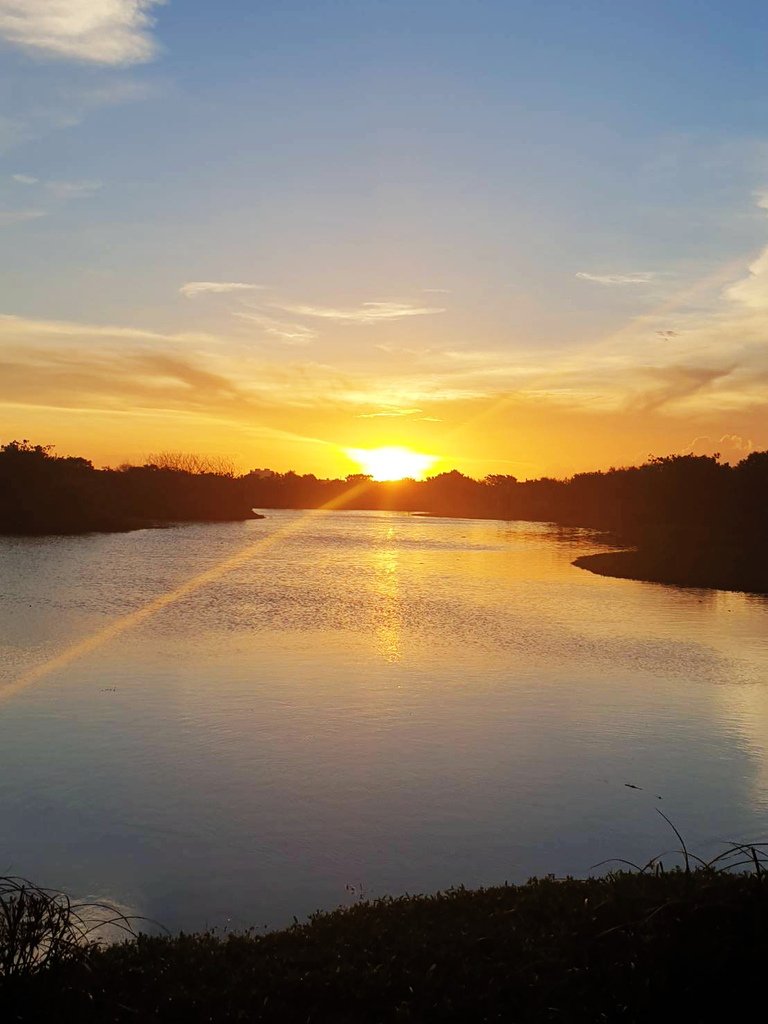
(639,277)
(194,288)
(43,106)
(107,32)
(60,191)
(675,383)
(19,329)
(19,216)
(65,190)
(287,333)
(697,371)
(389,413)
(367,313)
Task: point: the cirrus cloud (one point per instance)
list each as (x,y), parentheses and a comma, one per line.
(81,189)
(638,277)
(367,313)
(287,333)
(194,288)
(18,216)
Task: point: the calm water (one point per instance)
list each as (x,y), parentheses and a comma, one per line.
(363,700)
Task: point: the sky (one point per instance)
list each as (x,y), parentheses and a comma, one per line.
(521,237)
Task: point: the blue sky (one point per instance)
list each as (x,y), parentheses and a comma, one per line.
(517,235)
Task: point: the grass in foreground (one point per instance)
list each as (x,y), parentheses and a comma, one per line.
(686,945)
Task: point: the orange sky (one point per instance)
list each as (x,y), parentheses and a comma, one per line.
(687,374)
(112,414)
(117,393)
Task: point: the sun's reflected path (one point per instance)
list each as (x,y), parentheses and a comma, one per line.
(125,622)
(390,620)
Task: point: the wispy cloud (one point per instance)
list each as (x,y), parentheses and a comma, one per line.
(43,106)
(107,32)
(23,329)
(367,313)
(71,365)
(395,413)
(404,350)
(639,277)
(88,367)
(45,192)
(194,288)
(18,216)
(65,190)
(700,371)
(287,333)
(669,384)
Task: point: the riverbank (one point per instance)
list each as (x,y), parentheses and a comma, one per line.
(629,947)
(713,570)
(127,525)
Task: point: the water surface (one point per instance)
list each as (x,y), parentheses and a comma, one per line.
(369,701)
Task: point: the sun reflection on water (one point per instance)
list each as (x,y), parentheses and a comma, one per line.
(386,585)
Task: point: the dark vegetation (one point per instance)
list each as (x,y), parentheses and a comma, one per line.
(42,928)
(691,519)
(41,492)
(688,944)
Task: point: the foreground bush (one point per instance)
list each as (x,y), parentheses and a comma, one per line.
(683,945)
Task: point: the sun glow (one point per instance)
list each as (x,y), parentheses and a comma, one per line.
(392,463)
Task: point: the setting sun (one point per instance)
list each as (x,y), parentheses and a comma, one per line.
(392,463)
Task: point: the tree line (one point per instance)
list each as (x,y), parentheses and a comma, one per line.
(677,499)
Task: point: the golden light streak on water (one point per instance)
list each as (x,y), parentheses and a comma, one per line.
(121,625)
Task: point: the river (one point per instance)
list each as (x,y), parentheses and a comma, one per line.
(229,725)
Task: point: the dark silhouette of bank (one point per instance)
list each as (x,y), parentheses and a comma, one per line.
(681,519)
(640,948)
(42,493)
